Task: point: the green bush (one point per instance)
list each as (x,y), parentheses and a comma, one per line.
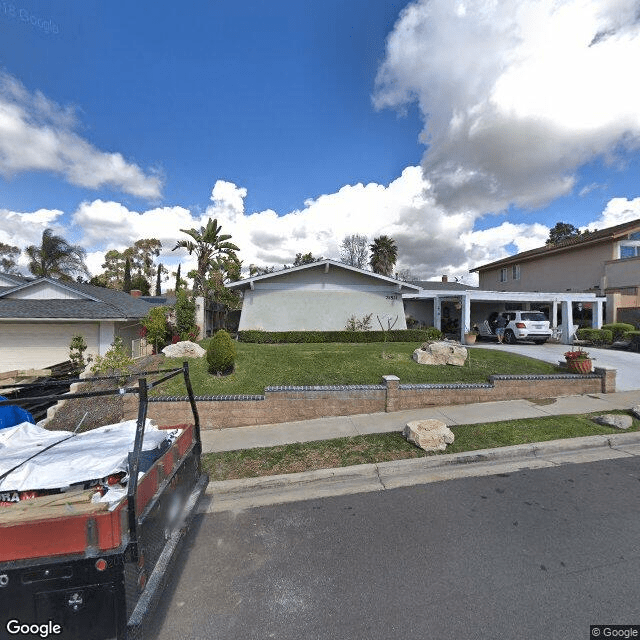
(596,336)
(618,329)
(221,353)
(283,337)
(634,338)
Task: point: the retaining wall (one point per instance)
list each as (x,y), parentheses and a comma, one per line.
(287,404)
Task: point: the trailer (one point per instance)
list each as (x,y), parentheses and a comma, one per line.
(73,568)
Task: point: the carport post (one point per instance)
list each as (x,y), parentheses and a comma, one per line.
(567,321)
(465,320)
(596,315)
(437,313)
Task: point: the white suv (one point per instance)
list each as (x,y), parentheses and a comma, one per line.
(526,325)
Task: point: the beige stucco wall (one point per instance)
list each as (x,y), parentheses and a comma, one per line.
(623,273)
(317,310)
(580,269)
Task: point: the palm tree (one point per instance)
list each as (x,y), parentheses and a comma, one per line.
(55,257)
(210,248)
(384,253)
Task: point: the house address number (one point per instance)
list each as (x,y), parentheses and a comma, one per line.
(393,296)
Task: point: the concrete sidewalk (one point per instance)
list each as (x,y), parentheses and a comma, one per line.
(342,426)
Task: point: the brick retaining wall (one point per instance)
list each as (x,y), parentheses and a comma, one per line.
(287,404)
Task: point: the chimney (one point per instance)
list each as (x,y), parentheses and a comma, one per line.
(445,278)
(136,293)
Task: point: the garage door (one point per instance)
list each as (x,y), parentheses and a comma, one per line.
(33,345)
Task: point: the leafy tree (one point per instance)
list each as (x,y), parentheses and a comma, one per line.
(126,284)
(77,348)
(114,266)
(384,254)
(306,258)
(141,283)
(8,255)
(55,257)
(210,248)
(562,232)
(185,310)
(142,255)
(354,251)
(157,329)
(255,270)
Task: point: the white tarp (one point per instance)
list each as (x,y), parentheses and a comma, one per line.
(85,456)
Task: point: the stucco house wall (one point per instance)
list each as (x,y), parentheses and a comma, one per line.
(320,297)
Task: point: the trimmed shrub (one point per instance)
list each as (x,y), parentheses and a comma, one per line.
(283,337)
(634,338)
(618,329)
(596,336)
(221,353)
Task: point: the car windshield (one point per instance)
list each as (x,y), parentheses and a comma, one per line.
(534,316)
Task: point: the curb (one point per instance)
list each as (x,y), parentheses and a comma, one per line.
(248,492)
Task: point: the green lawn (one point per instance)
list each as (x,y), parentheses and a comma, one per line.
(341,452)
(261,365)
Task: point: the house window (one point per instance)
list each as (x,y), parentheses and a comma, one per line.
(503,275)
(630,248)
(515,272)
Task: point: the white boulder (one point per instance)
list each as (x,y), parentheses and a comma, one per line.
(441,352)
(430,435)
(184,349)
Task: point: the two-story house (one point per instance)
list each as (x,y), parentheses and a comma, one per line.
(605,262)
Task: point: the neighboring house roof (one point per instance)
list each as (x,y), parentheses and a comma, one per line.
(437,285)
(325,264)
(593,237)
(88,302)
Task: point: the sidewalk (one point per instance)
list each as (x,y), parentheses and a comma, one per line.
(342,426)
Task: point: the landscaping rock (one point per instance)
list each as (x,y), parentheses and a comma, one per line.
(441,352)
(636,411)
(184,349)
(614,420)
(430,435)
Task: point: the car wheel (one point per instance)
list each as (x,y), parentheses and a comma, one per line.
(509,337)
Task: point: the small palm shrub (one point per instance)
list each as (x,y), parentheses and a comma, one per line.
(221,353)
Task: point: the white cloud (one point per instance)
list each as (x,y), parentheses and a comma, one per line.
(617,211)
(36,134)
(516,95)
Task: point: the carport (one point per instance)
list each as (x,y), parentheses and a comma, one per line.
(458,311)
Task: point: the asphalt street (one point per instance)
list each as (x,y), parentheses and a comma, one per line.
(537,553)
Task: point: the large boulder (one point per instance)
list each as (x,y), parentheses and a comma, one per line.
(430,435)
(184,349)
(441,352)
(615,420)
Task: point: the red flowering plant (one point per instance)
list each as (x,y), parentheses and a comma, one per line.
(577,355)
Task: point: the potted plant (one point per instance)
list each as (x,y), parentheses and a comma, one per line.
(578,361)
(470,336)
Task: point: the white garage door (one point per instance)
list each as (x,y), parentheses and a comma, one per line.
(34,345)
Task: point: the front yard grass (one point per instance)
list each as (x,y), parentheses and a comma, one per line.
(342,452)
(262,365)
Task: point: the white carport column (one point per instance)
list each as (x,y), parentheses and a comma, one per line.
(554,314)
(465,320)
(437,313)
(596,315)
(567,321)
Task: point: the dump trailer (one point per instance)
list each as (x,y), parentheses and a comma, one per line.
(71,567)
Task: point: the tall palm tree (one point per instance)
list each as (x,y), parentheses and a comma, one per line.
(211,248)
(384,253)
(55,257)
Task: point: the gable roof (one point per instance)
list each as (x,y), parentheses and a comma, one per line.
(593,237)
(326,264)
(438,285)
(91,303)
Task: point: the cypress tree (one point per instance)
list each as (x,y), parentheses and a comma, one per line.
(158,289)
(178,279)
(126,285)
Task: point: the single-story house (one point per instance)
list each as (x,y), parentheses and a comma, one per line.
(604,262)
(40,316)
(321,296)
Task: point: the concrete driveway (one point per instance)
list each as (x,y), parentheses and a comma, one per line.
(626,363)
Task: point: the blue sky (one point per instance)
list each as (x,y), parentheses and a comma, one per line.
(462,129)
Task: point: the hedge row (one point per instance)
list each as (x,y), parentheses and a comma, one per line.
(596,336)
(618,329)
(281,337)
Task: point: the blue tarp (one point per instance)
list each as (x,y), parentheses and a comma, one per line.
(10,415)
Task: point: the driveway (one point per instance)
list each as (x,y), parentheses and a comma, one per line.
(626,363)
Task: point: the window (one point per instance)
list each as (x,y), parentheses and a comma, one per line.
(630,248)
(503,275)
(515,272)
